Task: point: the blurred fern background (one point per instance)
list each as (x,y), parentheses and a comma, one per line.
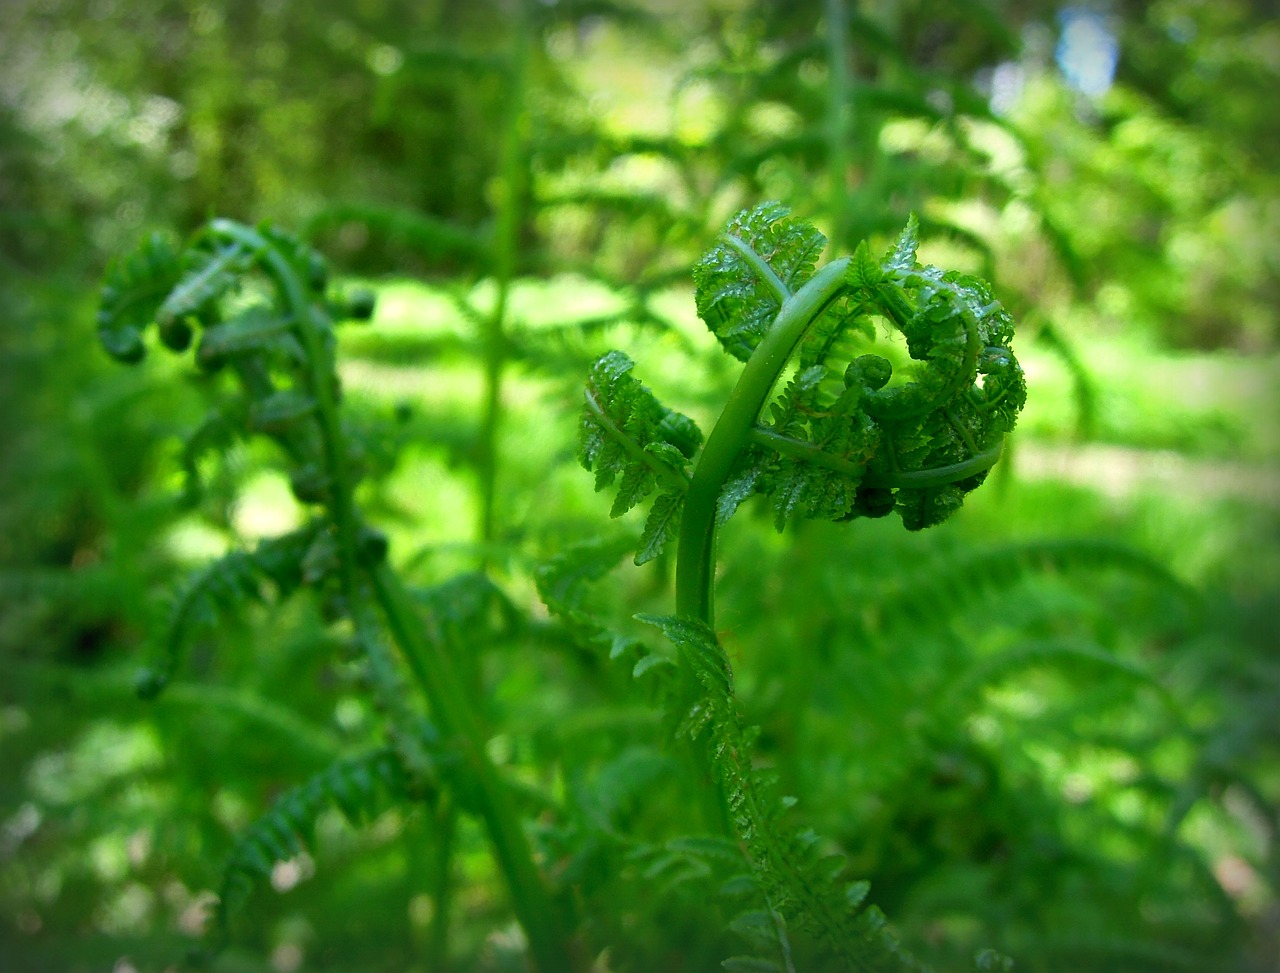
(1045,727)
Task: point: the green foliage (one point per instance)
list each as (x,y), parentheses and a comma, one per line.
(135,287)
(1015,734)
(764,255)
(798,880)
(931,439)
(360,787)
(280,354)
(223,586)
(626,433)
(840,441)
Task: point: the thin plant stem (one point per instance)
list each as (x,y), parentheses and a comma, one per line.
(426,654)
(505,244)
(838,107)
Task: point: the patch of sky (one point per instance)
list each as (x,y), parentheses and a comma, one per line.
(1087,50)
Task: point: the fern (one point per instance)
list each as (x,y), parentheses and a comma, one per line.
(361,788)
(277,352)
(763,256)
(222,587)
(133,290)
(626,435)
(968,579)
(842,437)
(840,440)
(797,879)
(209,275)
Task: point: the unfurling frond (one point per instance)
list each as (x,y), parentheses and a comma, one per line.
(845,437)
(762,257)
(626,435)
(134,288)
(222,587)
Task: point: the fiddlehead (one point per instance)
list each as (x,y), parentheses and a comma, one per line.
(847,435)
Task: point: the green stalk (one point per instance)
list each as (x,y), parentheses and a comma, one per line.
(321,384)
(838,116)
(505,244)
(695,555)
(446,827)
(429,659)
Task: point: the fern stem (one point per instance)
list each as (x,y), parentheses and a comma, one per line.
(429,660)
(505,243)
(915,479)
(320,381)
(446,827)
(837,116)
(695,557)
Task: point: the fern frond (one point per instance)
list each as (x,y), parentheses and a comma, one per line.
(563,581)
(974,577)
(214,435)
(133,290)
(222,587)
(361,788)
(1057,652)
(841,440)
(256,329)
(209,274)
(763,256)
(797,880)
(627,436)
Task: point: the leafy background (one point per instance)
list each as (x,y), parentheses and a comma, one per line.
(1046,727)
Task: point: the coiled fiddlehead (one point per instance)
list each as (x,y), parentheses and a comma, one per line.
(845,437)
(849,435)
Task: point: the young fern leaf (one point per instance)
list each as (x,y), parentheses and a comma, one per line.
(804,887)
(762,257)
(843,439)
(133,290)
(627,436)
(361,788)
(222,587)
(210,274)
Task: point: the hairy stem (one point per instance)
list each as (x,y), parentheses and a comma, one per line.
(695,556)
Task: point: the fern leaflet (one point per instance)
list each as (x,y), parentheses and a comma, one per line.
(628,436)
(132,291)
(801,884)
(221,587)
(763,255)
(360,788)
